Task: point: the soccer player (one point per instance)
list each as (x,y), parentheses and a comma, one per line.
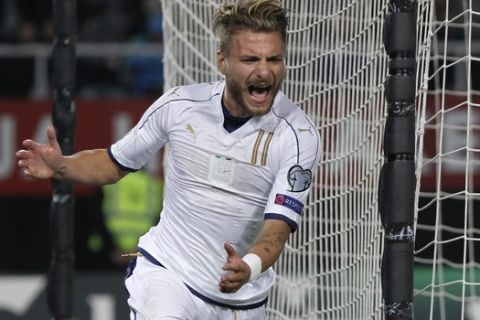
(240,164)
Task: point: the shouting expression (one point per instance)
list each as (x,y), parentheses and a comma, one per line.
(254,69)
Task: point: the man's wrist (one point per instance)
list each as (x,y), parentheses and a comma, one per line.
(61,172)
(255,264)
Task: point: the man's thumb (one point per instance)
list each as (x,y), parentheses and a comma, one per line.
(51,135)
(229,248)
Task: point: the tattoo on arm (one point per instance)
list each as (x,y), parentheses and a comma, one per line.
(272,241)
(61,172)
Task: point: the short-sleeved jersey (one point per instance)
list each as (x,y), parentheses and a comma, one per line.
(220,186)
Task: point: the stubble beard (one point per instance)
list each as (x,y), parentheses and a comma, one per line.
(239,96)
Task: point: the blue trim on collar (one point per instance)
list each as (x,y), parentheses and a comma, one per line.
(232,123)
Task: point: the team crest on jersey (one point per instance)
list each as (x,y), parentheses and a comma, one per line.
(289,202)
(299,179)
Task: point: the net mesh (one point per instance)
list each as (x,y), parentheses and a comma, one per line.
(447,225)
(336,67)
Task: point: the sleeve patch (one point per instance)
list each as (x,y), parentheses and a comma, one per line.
(299,179)
(289,202)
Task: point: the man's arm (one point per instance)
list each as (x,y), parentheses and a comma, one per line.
(268,246)
(43,161)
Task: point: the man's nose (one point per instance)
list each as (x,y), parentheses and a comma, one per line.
(263,69)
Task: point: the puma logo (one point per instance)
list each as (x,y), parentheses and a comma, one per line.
(304,130)
(192,131)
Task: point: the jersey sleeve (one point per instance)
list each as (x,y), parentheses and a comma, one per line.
(134,149)
(298,156)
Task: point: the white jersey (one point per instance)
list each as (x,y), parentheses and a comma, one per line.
(220,186)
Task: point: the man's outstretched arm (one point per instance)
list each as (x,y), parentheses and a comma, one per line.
(43,161)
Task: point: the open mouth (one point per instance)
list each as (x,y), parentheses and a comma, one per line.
(259,92)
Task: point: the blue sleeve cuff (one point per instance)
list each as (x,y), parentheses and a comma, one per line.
(275,216)
(110,154)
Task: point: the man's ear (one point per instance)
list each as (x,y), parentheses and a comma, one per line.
(221,62)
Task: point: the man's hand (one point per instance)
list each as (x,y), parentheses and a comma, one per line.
(239,271)
(41,160)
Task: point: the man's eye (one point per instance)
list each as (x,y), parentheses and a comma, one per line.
(249,60)
(276,59)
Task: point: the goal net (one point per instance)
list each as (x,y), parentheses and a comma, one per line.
(447,276)
(336,67)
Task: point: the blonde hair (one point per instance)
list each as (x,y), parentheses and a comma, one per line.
(255,15)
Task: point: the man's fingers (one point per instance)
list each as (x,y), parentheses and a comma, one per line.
(234,267)
(29,144)
(21,154)
(228,285)
(233,278)
(237,276)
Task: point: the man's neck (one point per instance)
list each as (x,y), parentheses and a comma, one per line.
(232,123)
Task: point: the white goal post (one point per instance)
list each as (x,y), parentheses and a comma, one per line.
(336,68)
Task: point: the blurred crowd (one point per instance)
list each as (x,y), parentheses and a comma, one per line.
(106,21)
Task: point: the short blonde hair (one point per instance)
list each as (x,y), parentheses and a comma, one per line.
(255,15)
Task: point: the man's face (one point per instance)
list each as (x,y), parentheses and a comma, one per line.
(254,69)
